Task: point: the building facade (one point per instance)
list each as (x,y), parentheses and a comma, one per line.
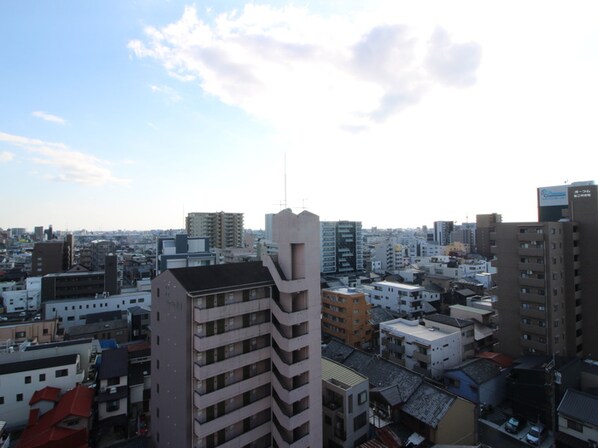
(485,225)
(342,247)
(345,316)
(236,348)
(223,229)
(181,251)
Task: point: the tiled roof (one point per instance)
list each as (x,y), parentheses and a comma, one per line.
(579,406)
(502,360)
(216,277)
(48,393)
(479,370)
(428,404)
(447,320)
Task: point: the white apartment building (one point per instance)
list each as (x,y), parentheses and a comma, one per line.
(345,405)
(19,381)
(399,297)
(425,350)
(72,312)
(17,299)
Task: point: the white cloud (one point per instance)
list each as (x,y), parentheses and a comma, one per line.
(6,156)
(295,68)
(48,117)
(65,164)
(169,92)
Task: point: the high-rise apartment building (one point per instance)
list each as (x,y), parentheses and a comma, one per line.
(442,232)
(546,276)
(342,247)
(236,348)
(223,229)
(99,249)
(538,289)
(485,225)
(345,316)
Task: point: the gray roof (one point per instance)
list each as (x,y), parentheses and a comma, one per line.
(379,314)
(38,364)
(429,404)
(480,370)
(221,276)
(579,406)
(114,363)
(447,320)
(382,374)
(339,373)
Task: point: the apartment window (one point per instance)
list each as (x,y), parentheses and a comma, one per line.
(158,314)
(112,406)
(27,380)
(157,340)
(115,381)
(20,334)
(61,373)
(575,426)
(556,323)
(42,377)
(70,318)
(157,292)
(19,397)
(362,397)
(1,400)
(360,421)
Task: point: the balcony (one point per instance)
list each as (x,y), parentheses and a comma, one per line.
(533,313)
(290,338)
(532,298)
(230,418)
(246,437)
(229,337)
(297,438)
(229,364)
(534,282)
(535,345)
(395,348)
(231,310)
(289,368)
(291,419)
(211,398)
(427,358)
(536,267)
(534,329)
(531,251)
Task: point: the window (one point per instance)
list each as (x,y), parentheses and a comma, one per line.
(27,380)
(113,381)
(61,373)
(42,377)
(1,400)
(19,397)
(20,334)
(112,406)
(575,426)
(360,421)
(70,318)
(362,397)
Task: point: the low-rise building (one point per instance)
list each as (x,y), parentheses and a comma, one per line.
(400,297)
(577,420)
(113,392)
(426,350)
(477,380)
(21,379)
(345,405)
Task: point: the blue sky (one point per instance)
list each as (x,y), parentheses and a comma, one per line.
(128,115)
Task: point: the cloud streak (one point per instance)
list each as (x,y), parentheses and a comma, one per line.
(65,164)
(290,67)
(48,117)
(6,156)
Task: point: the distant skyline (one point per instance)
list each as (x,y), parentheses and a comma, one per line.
(129,115)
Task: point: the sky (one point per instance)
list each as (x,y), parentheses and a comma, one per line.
(131,114)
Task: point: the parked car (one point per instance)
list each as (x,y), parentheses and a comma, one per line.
(514,425)
(536,435)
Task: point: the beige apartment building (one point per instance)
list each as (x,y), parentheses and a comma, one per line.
(224,230)
(236,348)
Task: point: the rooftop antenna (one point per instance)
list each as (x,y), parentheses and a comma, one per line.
(285,180)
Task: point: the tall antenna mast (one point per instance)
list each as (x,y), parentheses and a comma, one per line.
(285,180)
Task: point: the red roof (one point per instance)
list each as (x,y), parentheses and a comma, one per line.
(501,359)
(48,393)
(44,432)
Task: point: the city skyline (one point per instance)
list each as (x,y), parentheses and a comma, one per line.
(121,115)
